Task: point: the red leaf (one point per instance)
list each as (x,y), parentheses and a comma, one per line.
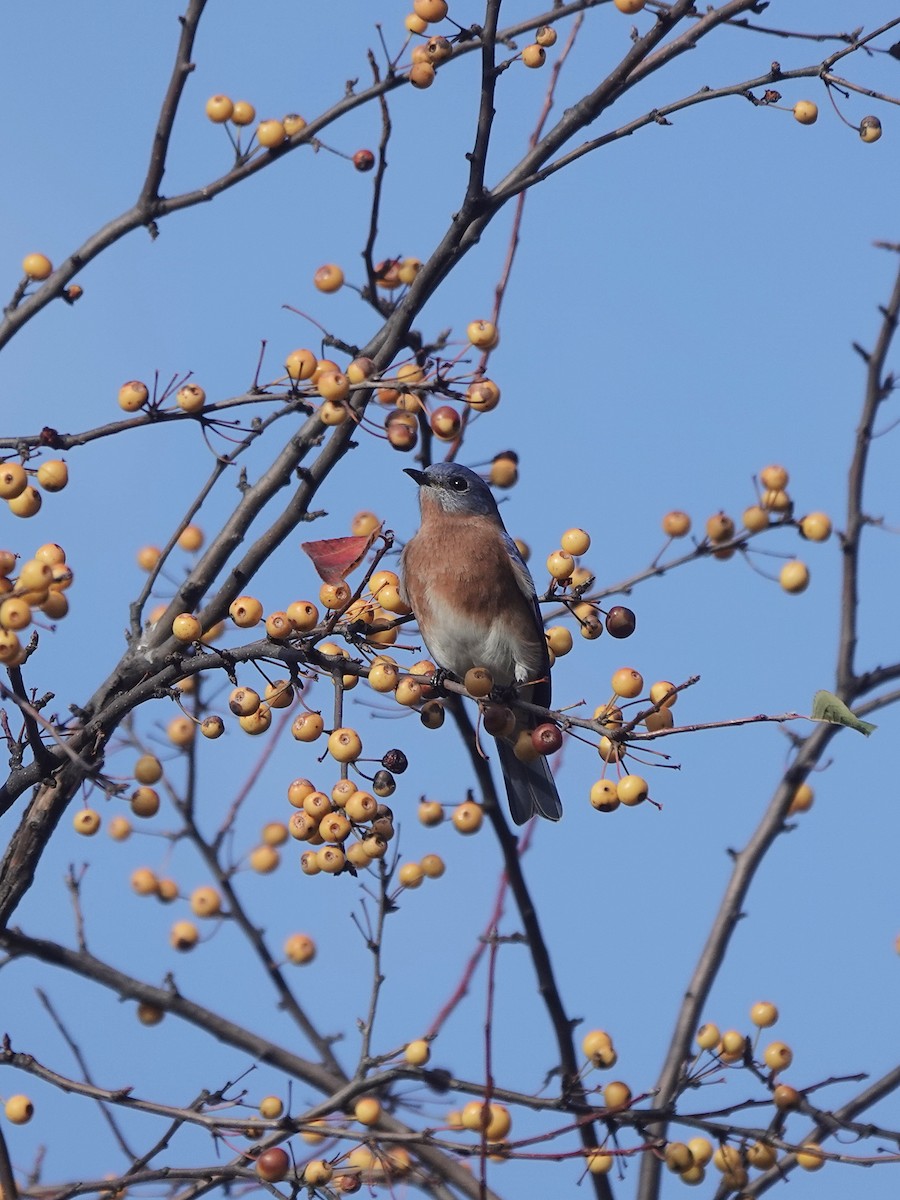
(335,558)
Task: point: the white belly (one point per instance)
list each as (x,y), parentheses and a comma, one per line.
(458,646)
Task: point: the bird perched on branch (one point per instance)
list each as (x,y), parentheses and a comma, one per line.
(476,606)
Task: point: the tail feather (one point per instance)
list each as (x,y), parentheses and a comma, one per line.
(529,786)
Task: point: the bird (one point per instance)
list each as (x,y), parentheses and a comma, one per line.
(475,603)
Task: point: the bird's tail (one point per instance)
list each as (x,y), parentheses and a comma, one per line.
(529,786)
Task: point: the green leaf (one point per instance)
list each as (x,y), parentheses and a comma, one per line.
(828,707)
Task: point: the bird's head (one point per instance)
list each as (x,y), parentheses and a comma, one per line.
(454,489)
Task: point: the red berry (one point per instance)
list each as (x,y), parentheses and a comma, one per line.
(273,1164)
(364,160)
(547,738)
(620,622)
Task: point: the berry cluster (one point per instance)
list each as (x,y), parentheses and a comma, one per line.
(40,585)
(773,508)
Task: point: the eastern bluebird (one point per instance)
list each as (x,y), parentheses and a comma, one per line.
(475,604)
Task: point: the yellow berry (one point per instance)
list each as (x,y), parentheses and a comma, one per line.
(243,113)
(678,1157)
(432,866)
(763,1014)
(774,477)
(617,1094)
(560,564)
(299,949)
(632,789)
(303,615)
(755,518)
(148,557)
(219,109)
(301,364)
(264,859)
(317,1172)
(53,475)
(133,395)
(278,626)
(421,75)
(246,611)
(417,1053)
(206,902)
(720,528)
(212,727)
(627,683)
(383,676)
(144,882)
(145,802)
(13,480)
(870,129)
(708,1036)
(594,1042)
(701,1149)
(119,829)
(331,859)
(344,745)
(190,398)
(149,1014)
(599,1162)
(293,123)
(778,1056)
(776,500)
(329,278)
(307,727)
(27,503)
(468,817)
(802,800)
(186,628)
(816,527)
(676,523)
(334,595)
(663,693)
(184,935)
(271,1107)
(191,538)
(148,769)
(761,1155)
(806,112)
(810,1156)
(484,335)
(15,613)
(732,1046)
(430,11)
(575,541)
(794,577)
(534,55)
(604,796)
(37,266)
(270,133)
(86,822)
(410,875)
(629,7)
(19,1109)
(244,701)
(367,1110)
(483,395)
(478,681)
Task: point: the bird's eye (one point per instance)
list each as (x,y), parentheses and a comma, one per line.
(459,484)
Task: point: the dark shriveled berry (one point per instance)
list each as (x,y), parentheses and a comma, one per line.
(395,761)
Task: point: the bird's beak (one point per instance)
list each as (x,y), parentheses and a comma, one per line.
(419,476)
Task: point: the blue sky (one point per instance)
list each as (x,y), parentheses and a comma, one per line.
(681,313)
